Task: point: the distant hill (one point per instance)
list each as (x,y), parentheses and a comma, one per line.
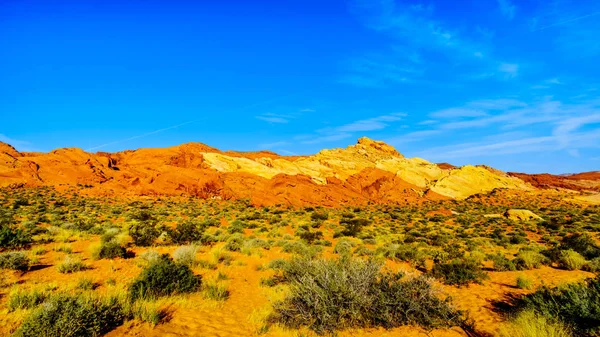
(369,171)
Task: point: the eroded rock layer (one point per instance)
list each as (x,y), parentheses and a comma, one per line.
(369,171)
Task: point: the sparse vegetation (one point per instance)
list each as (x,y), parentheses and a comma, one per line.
(163,277)
(14,261)
(327,295)
(459,272)
(73,315)
(290,248)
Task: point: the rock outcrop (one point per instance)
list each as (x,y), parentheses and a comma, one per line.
(369,171)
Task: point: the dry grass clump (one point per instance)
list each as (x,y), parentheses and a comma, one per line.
(328,295)
(529,324)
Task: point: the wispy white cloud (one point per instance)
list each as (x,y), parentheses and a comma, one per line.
(272,119)
(20,145)
(562,127)
(376,123)
(509,69)
(564,21)
(496,104)
(420,40)
(344,131)
(563,132)
(412,137)
(273,145)
(368,72)
(458,112)
(327,138)
(507,8)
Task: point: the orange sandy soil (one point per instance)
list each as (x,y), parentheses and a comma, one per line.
(193,315)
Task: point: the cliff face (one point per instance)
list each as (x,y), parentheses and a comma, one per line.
(369,171)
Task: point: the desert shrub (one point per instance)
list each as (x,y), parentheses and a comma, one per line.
(235,242)
(300,248)
(577,304)
(477,256)
(249,245)
(13,238)
(86,284)
(353,226)
(583,243)
(186,232)
(145,311)
(343,247)
(216,291)
(593,265)
(186,255)
(148,257)
(571,260)
(529,259)
(459,272)
(277,264)
(362,250)
(143,234)
(309,236)
(407,253)
(319,216)
(163,277)
(369,241)
(71,265)
(109,235)
(23,299)
(327,295)
(38,251)
(523,282)
(501,263)
(530,324)
(72,315)
(14,261)
(236,227)
(109,250)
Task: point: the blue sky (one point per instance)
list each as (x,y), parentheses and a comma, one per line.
(511,84)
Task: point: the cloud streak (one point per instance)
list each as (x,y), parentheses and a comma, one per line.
(507,8)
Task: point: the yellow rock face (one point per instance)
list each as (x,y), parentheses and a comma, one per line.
(521,215)
(457,183)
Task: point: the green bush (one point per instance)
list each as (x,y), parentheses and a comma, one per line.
(21,299)
(186,255)
(593,265)
(501,263)
(327,295)
(577,305)
(215,291)
(523,282)
(343,247)
(13,238)
(530,324)
(110,250)
(407,253)
(583,243)
(144,234)
(459,272)
(571,260)
(72,315)
(353,226)
(71,265)
(319,216)
(529,259)
(235,242)
(300,248)
(186,232)
(163,277)
(14,261)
